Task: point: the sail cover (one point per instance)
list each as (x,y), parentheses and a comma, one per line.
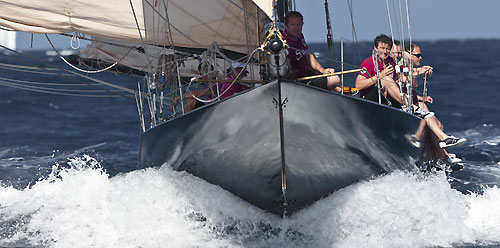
(233,24)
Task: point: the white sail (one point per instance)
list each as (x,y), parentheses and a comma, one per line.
(8,39)
(127,55)
(233,24)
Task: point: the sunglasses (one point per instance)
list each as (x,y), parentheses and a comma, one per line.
(418,55)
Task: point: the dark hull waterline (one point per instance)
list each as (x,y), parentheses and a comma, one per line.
(330,142)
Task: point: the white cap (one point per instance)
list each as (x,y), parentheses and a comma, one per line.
(237,65)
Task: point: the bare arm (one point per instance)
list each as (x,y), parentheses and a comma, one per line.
(428,99)
(314,64)
(422,70)
(189,96)
(362,82)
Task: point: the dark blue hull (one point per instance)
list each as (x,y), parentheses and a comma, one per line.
(330,142)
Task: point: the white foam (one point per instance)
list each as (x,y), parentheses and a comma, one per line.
(493,142)
(83,207)
(488,134)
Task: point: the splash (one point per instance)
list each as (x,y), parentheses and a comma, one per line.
(79,205)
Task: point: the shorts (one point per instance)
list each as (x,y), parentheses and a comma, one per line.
(373,96)
(321,82)
(198,104)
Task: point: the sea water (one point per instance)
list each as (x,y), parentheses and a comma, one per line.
(69,176)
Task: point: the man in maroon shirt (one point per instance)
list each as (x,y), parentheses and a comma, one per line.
(366,81)
(300,60)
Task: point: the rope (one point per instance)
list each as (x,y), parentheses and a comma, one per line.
(74,73)
(231,85)
(51,92)
(16,68)
(41,83)
(76,68)
(53,89)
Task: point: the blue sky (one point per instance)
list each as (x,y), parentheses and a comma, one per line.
(429,20)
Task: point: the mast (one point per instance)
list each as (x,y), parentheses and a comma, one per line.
(282,8)
(329,38)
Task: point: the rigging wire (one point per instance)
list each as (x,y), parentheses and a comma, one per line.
(6,81)
(390,21)
(52,92)
(42,83)
(354,34)
(74,73)
(401,22)
(408,20)
(140,33)
(178,30)
(243,9)
(28,69)
(247,32)
(229,87)
(398,24)
(176,64)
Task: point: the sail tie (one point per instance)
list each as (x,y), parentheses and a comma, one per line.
(75,39)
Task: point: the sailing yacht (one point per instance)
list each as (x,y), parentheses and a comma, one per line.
(280,145)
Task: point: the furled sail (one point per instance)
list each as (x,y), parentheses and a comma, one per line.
(233,24)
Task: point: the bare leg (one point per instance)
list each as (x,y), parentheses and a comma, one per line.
(420,130)
(334,83)
(438,123)
(433,125)
(424,106)
(190,103)
(437,150)
(392,88)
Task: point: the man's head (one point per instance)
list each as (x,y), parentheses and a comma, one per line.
(236,68)
(382,44)
(415,52)
(293,23)
(396,52)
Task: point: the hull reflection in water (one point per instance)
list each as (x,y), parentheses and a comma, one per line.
(330,142)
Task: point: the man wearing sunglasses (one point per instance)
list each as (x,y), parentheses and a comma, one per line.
(414,53)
